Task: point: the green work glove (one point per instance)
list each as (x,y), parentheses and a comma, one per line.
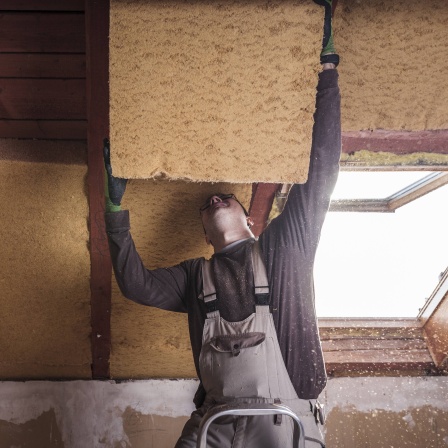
(114,186)
(328,53)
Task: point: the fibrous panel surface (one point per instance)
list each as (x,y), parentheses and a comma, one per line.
(213,91)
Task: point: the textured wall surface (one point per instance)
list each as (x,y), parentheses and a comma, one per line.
(392,72)
(44,266)
(363,412)
(165,225)
(213,91)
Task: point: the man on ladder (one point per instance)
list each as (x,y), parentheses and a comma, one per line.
(272,355)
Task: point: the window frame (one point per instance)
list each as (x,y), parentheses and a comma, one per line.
(390,346)
(396,200)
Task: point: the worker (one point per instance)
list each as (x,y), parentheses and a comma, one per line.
(251,312)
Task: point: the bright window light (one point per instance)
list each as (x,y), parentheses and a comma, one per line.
(381,264)
(373,184)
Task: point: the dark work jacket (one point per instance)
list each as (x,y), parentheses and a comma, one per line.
(288,246)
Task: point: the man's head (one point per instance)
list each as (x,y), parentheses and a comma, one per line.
(225,220)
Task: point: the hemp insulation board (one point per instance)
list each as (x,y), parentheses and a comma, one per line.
(166,227)
(225,90)
(213,91)
(44,262)
(393,69)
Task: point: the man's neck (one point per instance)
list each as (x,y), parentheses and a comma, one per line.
(234,245)
(224,240)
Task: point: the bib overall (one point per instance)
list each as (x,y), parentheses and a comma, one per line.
(242,362)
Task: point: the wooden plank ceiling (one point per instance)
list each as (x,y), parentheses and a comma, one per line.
(42,69)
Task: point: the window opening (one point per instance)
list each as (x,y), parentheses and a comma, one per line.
(383,265)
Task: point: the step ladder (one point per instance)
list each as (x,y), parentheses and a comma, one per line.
(246,409)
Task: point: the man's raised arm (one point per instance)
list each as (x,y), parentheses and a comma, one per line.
(162,288)
(300,223)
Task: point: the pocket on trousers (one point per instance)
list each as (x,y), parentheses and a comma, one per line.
(234,343)
(239,365)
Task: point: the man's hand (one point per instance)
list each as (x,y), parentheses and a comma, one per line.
(328,54)
(115,186)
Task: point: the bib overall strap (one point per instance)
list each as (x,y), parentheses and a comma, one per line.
(209,291)
(260,276)
(260,282)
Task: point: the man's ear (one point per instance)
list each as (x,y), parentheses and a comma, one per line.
(250,222)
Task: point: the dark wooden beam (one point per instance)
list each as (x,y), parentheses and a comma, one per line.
(260,205)
(97,26)
(396,142)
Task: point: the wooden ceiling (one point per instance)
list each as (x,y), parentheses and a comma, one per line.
(42,69)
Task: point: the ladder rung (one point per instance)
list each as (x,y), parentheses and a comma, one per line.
(246,409)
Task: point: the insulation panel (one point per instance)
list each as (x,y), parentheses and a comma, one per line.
(393,73)
(213,91)
(224,91)
(44,265)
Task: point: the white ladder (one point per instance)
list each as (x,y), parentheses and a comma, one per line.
(246,409)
